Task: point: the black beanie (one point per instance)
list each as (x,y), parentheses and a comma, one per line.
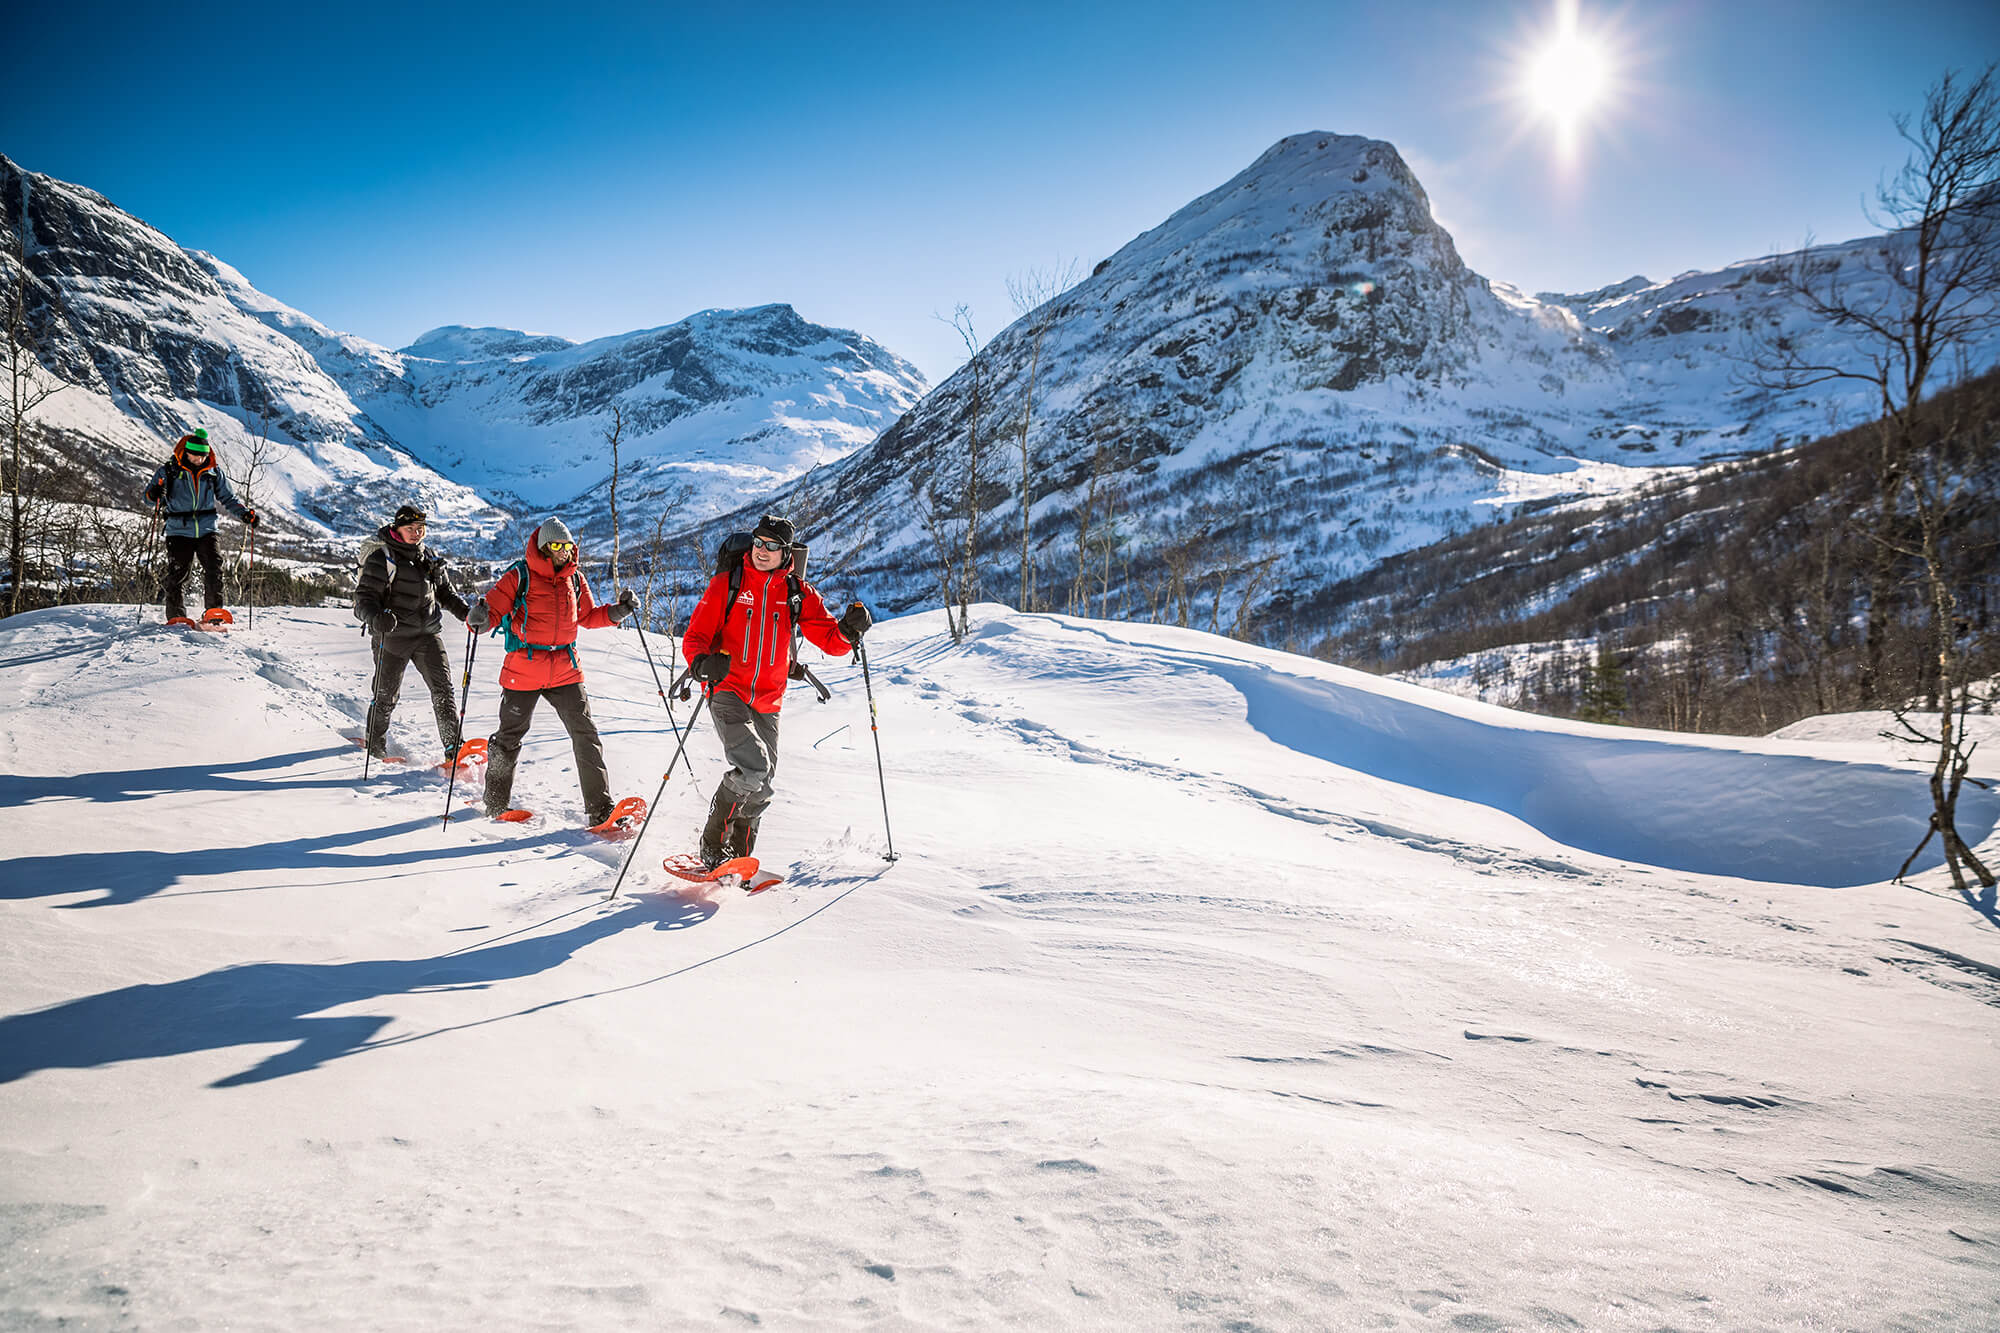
(408,514)
(772,526)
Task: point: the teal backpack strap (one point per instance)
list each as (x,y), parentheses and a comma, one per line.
(515,643)
(517,616)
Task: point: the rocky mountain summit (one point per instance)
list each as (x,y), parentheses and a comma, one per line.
(723,404)
(1290,379)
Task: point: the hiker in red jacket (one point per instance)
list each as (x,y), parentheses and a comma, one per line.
(541,601)
(742,651)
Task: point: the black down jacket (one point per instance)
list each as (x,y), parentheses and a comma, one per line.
(407,581)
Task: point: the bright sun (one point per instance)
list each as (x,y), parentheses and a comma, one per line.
(1568,75)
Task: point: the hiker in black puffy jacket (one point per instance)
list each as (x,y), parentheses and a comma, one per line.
(402,586)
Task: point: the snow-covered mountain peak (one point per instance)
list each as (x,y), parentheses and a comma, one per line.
(1309,203)
(458,343)
(1329,164)
(1299,362)
(156,339)
(1602,296)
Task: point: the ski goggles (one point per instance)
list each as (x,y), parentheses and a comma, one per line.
(766,544)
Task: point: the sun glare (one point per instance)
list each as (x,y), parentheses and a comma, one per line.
(1567,76)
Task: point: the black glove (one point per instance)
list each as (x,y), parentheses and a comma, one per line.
(627,603)
(710,667)
(481,616)
(250,517)
(854,622)
(382,622)
(154,492)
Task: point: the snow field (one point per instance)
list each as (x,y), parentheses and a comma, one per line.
(1202,996)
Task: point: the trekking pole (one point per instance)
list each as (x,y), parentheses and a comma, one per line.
(861,655)
(663,692)
(250,570)
(248,562)
(464,696)
(148,559)
(679,750)
(367,755)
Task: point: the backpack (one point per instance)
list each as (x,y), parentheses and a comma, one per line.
(518,616)
(729,560)
(369,547)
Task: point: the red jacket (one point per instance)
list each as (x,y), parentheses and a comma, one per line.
(758,633)
(557,606)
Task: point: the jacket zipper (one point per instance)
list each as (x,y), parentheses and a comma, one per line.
(757,663)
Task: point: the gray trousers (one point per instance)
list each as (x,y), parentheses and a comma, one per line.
(393,652)
(750,743)
(517,709)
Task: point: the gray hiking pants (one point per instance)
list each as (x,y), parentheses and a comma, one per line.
(517,709)
(393,652)
(750,743)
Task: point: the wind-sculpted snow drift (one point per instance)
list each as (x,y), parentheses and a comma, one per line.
(1213,988)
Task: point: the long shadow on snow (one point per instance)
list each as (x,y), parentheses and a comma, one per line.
(263,1003)
(130,876)
(689,908)
(138,784)
(1781,818)
(51,655)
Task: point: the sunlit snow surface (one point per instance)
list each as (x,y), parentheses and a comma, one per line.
(1214,988)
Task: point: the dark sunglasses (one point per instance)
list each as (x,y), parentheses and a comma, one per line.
(766,544)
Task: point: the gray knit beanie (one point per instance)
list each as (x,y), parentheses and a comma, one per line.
(552,530)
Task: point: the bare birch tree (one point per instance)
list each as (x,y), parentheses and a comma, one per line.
(968,582)
(1925,295)
(255,460)
(1921,301)
(1940,492)
(29,385)
(611,437)
(948,508)
(1035,296)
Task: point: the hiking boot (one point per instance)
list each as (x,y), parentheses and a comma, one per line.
(719,809)
(739,838)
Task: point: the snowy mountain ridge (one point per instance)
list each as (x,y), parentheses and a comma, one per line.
(479,425)
(1298,364)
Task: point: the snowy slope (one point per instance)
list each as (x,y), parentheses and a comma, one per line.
(1214,988)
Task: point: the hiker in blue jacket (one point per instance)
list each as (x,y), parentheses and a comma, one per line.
(186,490)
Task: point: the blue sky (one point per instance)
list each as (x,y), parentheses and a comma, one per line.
(590,168)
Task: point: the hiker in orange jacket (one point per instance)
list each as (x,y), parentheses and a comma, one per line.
(543,600)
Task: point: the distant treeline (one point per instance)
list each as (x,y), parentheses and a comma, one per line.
(1735,600)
